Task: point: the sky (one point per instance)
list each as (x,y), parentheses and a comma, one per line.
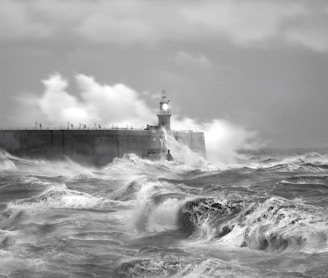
(257,68)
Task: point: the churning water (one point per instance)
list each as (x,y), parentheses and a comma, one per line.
(265,216)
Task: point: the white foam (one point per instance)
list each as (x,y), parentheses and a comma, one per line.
(150,215)
(57,196)
(165,216)
(216,268)
(182,152)
(6,162)
(41,167)
(281,224)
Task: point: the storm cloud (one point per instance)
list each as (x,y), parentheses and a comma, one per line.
(255,63)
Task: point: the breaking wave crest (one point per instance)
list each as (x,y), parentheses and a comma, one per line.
(57,196)
(276,224)
(65,167)
(6,164)
(140,218)
(207,218)
(156,207)
(309,162)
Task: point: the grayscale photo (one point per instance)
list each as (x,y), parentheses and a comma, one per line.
(152,138)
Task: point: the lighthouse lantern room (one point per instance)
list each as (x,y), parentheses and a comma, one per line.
(164,113)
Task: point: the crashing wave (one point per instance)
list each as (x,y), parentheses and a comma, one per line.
(6,162)
(156,207)
(309,162)
(57,197)
(208,217)
(279,224)
(276,224)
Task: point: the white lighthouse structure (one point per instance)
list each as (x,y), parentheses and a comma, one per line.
(164,113)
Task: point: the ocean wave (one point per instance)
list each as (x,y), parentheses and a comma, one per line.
(6,163)
(42,167)
(6,242)
(156,207)
(57,196)
(10,220)
(148,267)
(293,167)
(130,165)
(128,192)
(7,237)
(217,268)
(173,266)
(312,162)
(277,224)
(16,265)
(302,186)
(207,218)
(306,179)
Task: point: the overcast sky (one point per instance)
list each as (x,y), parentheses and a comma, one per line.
(260,64)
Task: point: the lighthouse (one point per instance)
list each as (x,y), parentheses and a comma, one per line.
(164,113)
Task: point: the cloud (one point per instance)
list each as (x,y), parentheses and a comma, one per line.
(117,104)
(186,59)
(311,33)
(58,105)
(244,23)
(113,104)
(100,28)
(16,22)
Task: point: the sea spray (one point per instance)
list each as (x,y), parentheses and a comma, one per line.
(156,207)
(57,197)
(142,218)
(6,164)
(182,152)
(274,225)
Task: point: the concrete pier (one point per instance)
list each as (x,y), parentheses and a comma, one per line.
(100,146)
(95,147)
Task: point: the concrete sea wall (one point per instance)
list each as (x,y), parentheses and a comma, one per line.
(96,147)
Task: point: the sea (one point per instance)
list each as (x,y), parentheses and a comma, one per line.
(265,214)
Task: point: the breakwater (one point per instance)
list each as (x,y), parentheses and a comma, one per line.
(95,147)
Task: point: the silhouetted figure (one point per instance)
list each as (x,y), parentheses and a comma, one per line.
(169,156)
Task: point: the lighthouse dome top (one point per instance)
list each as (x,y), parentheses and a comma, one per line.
(164,104)
(164,97)
(163,94)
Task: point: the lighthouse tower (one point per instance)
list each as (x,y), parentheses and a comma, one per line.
(164,113)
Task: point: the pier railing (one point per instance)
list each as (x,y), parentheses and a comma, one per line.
(92,128)
(73,128)
(81,126)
